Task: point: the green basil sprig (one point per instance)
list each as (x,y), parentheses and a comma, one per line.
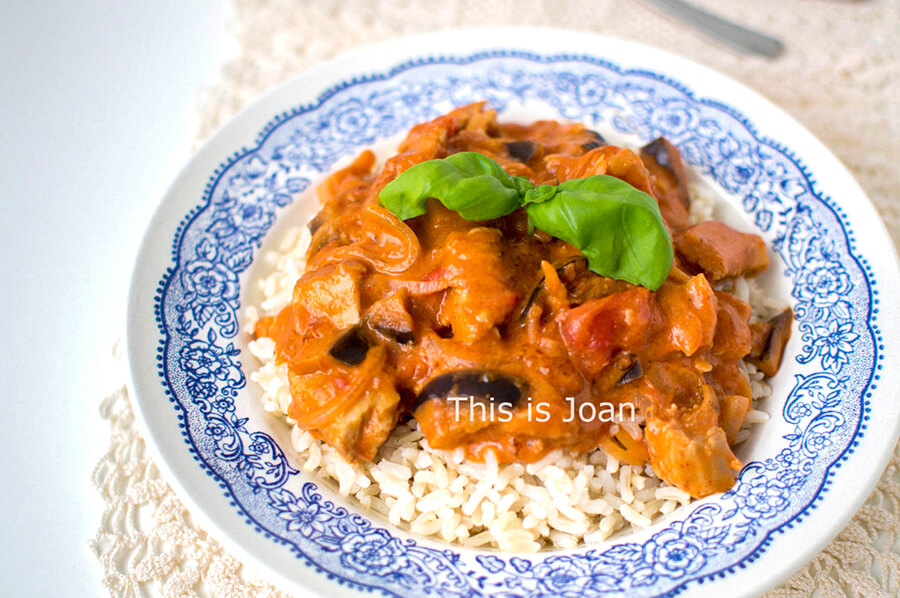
(468,183)
(618,228)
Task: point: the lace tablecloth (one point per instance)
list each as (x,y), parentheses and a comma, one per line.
(840,76)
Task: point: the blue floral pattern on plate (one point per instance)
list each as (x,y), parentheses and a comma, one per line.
(833,298)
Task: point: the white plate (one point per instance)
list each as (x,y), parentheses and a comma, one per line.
(835,411)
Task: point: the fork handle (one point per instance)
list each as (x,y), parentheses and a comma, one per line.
(726,31)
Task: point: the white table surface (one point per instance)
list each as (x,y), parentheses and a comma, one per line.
(97,103)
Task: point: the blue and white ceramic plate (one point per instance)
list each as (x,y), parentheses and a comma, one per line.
(835,406)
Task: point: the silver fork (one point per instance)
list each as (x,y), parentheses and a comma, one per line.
(726,31)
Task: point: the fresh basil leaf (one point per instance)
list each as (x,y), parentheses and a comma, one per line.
(618,228)
(471,184)
(539,194)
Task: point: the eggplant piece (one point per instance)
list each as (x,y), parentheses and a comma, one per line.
(668,181)
(633,373)
(316,223)
(532,297)
(390,318)
(572,268)
(444,332)
(662,150)
(536,291)
(481,385)
(769,341)
(402,337)
(598,141)
(322,236)
(522,151)
(350,347)
(664,162)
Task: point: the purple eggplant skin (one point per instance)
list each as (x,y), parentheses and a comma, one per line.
(633,373)
(668,157)
(539,287)
(402,337)
(598,141)
(481,385)
(768,360)
(659,149)
(350,347)
(521,150)
(316,223)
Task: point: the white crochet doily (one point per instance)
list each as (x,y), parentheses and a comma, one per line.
(840,76)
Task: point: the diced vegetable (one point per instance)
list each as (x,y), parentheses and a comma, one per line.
(769,340)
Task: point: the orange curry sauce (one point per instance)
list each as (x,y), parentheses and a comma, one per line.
(385,307)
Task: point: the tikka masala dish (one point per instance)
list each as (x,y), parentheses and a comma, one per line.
(392,318)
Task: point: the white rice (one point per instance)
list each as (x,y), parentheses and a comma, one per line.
(561,501)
